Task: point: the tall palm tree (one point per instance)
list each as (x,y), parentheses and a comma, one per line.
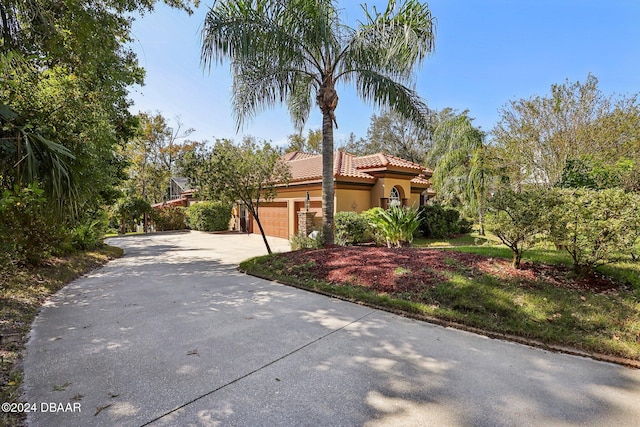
(287,51)
(459,161)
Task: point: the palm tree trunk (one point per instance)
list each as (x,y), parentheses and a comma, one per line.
(328,189)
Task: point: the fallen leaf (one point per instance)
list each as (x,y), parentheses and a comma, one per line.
(62,387)
(101,408)
(193,353)
(77,397)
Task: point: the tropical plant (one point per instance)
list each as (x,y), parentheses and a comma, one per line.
(290,50)
(460,168)
(397,224)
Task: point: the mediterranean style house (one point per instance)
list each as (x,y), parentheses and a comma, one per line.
(361,183)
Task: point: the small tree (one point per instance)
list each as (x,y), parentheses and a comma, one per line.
(246,173)
(519,219)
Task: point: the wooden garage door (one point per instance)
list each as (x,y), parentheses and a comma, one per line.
(274,218)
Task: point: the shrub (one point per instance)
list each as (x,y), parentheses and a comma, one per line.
(397,225)
(209,216)
(302,241)
(88,235)
(169,218)
(30,232)
(438,221)
(130,211)
(597,227)
(350,228)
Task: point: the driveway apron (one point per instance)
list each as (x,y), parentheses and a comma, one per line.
(172,334)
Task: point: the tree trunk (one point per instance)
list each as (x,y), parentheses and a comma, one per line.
(328,189)
(517,257)
(264,237)
(327,100)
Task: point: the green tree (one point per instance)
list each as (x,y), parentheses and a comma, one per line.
(311,145)
(248,173)
(155,155)
(394,134)
(289,50)
(536,137)
(519,219)
(461,172)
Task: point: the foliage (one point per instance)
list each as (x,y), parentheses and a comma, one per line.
(169,218)
(30,233)
(131,211)
(89,234)
(247,173)
(594,174)
(536,137)
(520,219)
(296,51)
(461,170)
(439,221)
(209,216)
(397,225)
(597,227)
(311,145)
(351,228)
(393,134)
(155,155)
(302,241)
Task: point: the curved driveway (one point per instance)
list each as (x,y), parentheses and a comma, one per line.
(172,334)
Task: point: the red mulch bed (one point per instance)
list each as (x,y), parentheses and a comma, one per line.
(394,270)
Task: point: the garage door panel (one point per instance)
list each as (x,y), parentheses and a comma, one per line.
(274,218)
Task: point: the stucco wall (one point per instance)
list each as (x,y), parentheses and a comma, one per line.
(352,200)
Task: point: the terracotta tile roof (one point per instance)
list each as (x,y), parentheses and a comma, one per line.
(306,167)
(421,179)
(380,160)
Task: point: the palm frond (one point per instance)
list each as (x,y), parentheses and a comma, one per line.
(385,92)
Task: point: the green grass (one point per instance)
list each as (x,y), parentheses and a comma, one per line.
(22,293)
(595,323)
(473,239)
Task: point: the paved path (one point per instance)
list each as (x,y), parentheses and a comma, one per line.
(172,335)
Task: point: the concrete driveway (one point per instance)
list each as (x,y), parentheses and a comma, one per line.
(172,335)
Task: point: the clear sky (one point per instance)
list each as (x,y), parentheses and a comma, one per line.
(487,53)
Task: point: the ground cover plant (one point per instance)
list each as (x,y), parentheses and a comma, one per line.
(544,300)
(22,293)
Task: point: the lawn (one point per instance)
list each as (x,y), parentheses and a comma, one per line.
(22,293)
(475,287)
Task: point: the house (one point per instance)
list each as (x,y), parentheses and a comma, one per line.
(179,194)
(361,183)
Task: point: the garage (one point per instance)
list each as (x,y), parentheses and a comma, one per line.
(274,217)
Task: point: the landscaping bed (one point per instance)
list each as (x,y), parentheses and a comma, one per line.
(543,302)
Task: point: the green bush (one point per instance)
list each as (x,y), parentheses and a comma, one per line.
(130,211)
(596,227)
(438,222)
(302,241)
(350,228)
(169,218)
(209,216)
(30,232)
(88,235)
(396,224)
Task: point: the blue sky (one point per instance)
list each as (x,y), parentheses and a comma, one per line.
(488,52)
